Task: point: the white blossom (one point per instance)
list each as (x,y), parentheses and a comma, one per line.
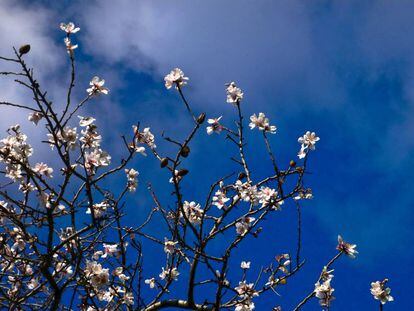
(175,77)
(69,46)
(110,250)
(169,273)
(262,123)
(193,212)
(43,169)
(132,179)
(145,137)
(69,28)
(380,292)
(169,246)
(68,136)
(269,197)
(324,292)
(234,94)
(245,265)
(97,87)
(86,121)
(151,282)
(220,199)
(308,142)
(96,158)
(247,192)
(243,225)
(35,117)
(347,248)
(96,274)
(214,126)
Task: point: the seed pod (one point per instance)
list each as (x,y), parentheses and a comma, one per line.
(185,151)
(292,163)
(24,49)
(201,118)
(241,176)
(182,172)
(164,162)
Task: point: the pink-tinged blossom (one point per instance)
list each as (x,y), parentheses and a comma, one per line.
(169,273)
(143,138)
(381,292)
(262,123)
(193,212)
(99,209)
(151,282)
(97,87)
(69,46)
(245,265)
(247,192)
(43,169)
(346,248)
(69,28)
(97,275)
(175,78)
(110,250)
(96,158)
(234,94)
(269,197)
(305,194)
(35,117)
(86,121)
(214,126)
(308,142)
(324,292)
(68,136)
(243,225)
(220,199)
(132,179)
(169,246)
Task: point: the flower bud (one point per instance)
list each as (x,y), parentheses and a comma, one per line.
(201,118)
(185,151)
(24,49)
(241,175)
(182,172)
(164,162)
(292,163)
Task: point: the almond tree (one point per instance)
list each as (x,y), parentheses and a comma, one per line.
(63,242)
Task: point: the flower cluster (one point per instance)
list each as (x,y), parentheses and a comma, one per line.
(90,138)
(324,290)
(15,152)
(68,136)
(69,28)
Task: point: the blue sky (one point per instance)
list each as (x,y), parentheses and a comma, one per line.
(342,69)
